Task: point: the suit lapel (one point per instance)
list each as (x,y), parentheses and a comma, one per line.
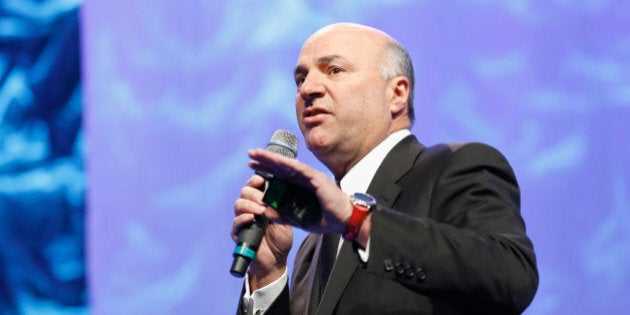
(385,189)
(384,186)
(347,261)
(304,276)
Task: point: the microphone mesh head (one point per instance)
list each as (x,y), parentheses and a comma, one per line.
(284,143)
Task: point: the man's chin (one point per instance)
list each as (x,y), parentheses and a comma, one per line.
(317,145)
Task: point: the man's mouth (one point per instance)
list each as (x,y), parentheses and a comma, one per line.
(313,115)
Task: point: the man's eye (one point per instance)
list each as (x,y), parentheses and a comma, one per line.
(299,81)
(335,70)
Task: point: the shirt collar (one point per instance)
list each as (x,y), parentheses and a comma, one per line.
(360,176)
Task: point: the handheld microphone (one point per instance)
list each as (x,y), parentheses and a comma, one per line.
(284,143)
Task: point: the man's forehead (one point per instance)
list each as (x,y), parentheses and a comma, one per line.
(343,40)
(341,43)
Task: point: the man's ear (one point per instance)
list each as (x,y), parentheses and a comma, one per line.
(400,96)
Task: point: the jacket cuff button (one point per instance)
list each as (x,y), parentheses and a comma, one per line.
(410,273)
(400,270)
(388,264)
(421,275)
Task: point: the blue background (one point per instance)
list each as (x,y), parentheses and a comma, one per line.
(175,92)
(42,180)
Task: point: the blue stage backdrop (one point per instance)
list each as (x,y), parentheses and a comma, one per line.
(177,91)
(42,182)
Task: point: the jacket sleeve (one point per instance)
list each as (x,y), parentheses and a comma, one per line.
(468,246)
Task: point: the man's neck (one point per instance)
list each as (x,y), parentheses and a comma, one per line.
(345,164)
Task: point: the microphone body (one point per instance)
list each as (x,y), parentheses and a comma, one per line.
(284,143)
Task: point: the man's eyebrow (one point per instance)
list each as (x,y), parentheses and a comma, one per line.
(299,70)
(320,61)
(329,59)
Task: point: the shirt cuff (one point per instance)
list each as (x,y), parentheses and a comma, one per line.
(265,296)
(364,254)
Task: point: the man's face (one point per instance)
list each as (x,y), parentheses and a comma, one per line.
(341,100)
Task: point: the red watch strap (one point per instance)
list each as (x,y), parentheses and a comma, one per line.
(359,213)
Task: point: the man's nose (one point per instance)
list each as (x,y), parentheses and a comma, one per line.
(312,87)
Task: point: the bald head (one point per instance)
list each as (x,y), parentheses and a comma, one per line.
(375,34)
(393,59)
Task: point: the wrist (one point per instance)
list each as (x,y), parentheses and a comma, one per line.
(362,206)
(364,233)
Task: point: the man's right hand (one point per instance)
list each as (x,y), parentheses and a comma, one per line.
(271,257)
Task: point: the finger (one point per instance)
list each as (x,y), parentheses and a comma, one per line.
(274,216)
(242,206)
(272,160)
(251,193)
(295,172)
(261,168)
(255,181)
(239,222)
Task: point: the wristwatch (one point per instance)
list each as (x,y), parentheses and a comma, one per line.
(362,205)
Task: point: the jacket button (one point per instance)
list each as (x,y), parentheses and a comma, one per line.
(421,275)
(410,273)
(389,265)
(400,270)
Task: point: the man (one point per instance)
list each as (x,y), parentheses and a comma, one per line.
(444,235)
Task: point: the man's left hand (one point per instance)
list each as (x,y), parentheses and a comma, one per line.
(334,203)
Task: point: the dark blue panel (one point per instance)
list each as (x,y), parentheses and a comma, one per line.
(42,183)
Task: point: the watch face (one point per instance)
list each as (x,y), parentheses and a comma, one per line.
(364,199)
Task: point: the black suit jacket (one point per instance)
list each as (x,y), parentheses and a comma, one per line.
(447,238)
